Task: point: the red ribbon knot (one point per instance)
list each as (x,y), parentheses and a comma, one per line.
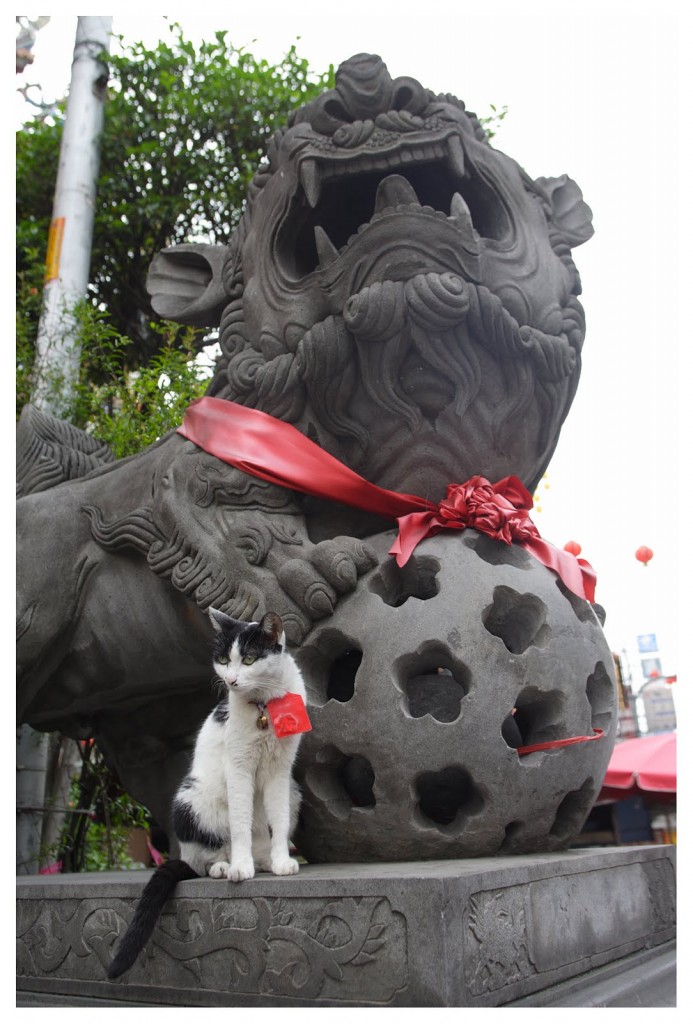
(500,510)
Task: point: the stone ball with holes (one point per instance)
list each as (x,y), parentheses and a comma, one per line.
(421,688)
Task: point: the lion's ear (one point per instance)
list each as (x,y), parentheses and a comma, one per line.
(569,212)
(185,284)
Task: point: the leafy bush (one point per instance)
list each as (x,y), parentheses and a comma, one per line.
(95,834)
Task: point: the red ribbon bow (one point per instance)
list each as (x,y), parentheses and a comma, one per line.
(275,451)
(499,510)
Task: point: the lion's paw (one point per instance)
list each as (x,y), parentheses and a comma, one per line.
(331,569)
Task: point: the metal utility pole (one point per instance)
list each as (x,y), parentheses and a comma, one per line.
(56,368)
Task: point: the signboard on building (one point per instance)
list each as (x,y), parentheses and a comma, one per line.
(647,643)
(659,707)
(651,667)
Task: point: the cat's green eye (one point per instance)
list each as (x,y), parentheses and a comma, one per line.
(222,659)
(249,659)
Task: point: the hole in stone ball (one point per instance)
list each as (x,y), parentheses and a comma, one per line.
(342,781)
(418,578)
(572,811)
(583,609)
(512,830)
(330,665)
(342,677)
(510,731)
(600,694)
(447,797)
(357,777)
(433,681)
(495,552)
(518,619)
(536,718)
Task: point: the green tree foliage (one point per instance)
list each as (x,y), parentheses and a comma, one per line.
(185,127)
(130,409)
(493,120)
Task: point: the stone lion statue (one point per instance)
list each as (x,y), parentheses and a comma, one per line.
(398,290)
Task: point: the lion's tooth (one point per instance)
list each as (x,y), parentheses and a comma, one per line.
(310,179)
(394,190)
(326,250)
(456,156)
(460,213)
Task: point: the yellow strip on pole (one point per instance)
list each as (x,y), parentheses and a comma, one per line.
(55,244)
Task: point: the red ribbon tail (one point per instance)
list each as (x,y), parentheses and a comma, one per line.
(589,578)
(577,574)
(413,528)
(556,744)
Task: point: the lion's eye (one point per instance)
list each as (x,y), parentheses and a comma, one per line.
(249,659)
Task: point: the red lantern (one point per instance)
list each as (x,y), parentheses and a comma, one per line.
(644,554)
(572,547)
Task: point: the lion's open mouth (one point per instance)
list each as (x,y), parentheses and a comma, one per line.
(338,197)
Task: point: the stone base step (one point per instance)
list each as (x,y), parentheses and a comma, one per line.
(588,927)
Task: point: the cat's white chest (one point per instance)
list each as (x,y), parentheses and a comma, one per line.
(250,737)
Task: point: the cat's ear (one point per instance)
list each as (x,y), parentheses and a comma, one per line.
(222,622)
(272,627)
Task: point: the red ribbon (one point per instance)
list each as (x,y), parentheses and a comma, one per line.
(275,451)
(554,744)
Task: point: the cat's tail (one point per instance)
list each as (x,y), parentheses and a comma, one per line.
(157,891)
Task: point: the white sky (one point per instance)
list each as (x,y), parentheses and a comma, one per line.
(593,90)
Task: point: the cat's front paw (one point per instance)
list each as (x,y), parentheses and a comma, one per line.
(220,869)
(285,866)
(241,870)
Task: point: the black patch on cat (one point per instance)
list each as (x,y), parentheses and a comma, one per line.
(221,711)
(186,825)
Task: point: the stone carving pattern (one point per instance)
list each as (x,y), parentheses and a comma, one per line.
(280,947)
(496,950)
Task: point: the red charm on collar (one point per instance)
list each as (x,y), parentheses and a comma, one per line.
(288,715)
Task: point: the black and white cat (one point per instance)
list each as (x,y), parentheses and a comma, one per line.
(235,810)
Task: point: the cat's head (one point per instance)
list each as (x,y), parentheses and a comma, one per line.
(247,655)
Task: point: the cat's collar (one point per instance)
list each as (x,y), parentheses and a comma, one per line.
(287,714)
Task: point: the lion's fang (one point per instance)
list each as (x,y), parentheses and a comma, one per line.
(310,179)
(326,250)
(456,156)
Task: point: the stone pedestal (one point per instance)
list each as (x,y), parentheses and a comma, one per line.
(527,930)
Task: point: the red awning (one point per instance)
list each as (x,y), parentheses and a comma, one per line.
(646,764)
